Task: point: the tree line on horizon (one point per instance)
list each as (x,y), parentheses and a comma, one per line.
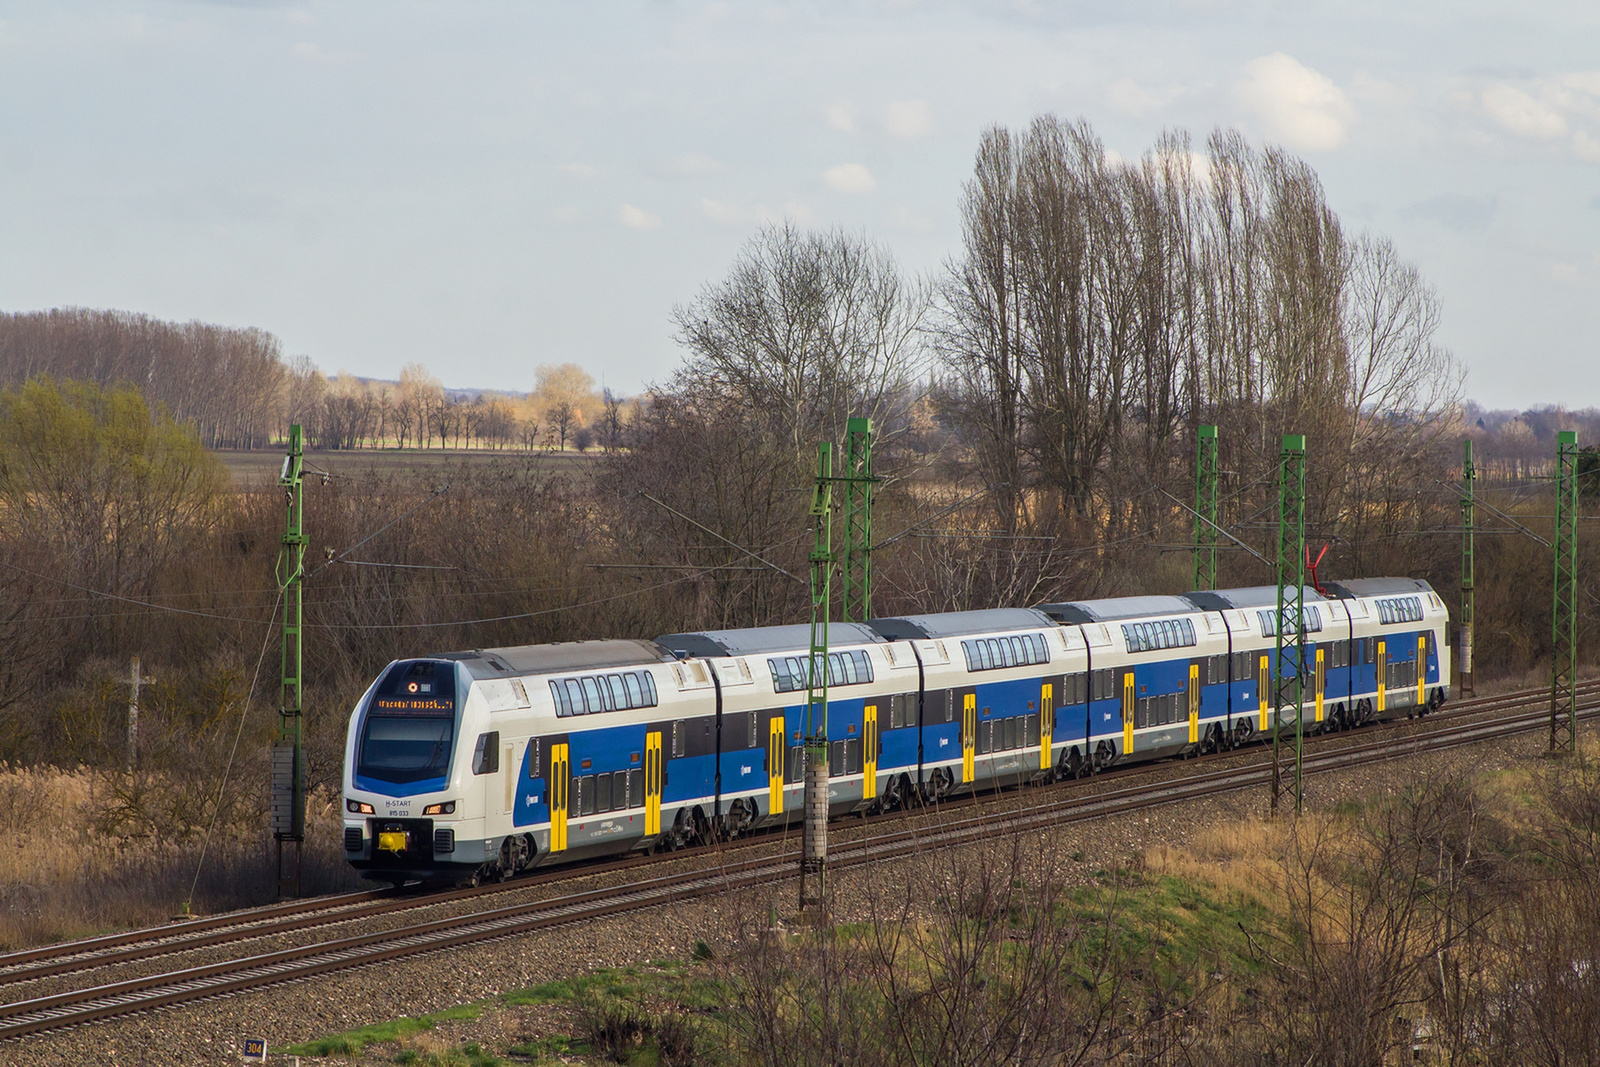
(237,390)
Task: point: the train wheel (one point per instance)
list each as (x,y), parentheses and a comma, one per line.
(1072,763)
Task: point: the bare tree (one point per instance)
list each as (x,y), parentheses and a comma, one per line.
(808,329)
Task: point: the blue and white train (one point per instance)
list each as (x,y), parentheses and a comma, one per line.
(480,764)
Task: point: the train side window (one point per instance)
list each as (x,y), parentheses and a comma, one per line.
(486,756)
(754,734)
(584,794)
(677,739)
(535,759)
(602,793)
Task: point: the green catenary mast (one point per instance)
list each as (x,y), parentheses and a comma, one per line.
(814,833)
(1205,509)
(856,563)
(1469,520)
(288,756)
(1564,599)
(1287,684)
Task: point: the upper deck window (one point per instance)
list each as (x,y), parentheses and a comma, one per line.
(1159,634)
(1013,650)
(1400,609)
(595,693)
(844,668)
(1310,619)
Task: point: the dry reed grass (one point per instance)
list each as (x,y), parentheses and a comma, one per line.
(64,876)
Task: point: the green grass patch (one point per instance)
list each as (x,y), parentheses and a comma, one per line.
(1182,924)
(353,1041)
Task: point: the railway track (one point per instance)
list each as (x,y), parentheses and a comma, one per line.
(724,873)
(36,964)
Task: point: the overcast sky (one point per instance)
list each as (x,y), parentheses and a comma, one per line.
(484,187)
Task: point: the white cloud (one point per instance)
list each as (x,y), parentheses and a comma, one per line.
(302,17)
(636,218)
(1130,98)
(908,118)
(581,170)
(841,117)
(1587,146)
(1300,105)
(1521,114)
(850,178)
(693,165)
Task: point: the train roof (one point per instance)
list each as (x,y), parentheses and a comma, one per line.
(1113,608)
(560,656)
(1363,587)
(762,639)
(1255,596)
(961,623)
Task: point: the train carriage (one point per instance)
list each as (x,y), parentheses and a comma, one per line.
(486,762)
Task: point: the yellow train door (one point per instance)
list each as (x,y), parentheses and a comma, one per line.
(1264,683)
(1422,669)
(969,735)
(776,747)
(1383,671)
(652,783)
(1194,703)
(1322,677)
(1127,713)
(1047,723)
(560,788)
(869,752)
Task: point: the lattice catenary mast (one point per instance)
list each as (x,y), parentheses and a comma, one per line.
(1287,684)
(856,564)
(288,753)
(1564,600)
(814,833)
(1469,519)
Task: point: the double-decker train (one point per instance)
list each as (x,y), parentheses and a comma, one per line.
(479,764)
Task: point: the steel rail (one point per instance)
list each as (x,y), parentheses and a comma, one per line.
(276,920)
(212,980)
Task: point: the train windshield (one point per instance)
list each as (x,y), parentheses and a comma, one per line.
(409,732)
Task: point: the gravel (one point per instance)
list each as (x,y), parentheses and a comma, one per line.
(211,1032)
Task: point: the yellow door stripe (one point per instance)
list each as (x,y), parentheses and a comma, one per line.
(1047,723)
(869,757)
(1265,683)
(775,752)
(560,785)
(652,783)
(1321,676)
(1127,713)
(1383,671)
(969,735)
(1422,668)
(1194,703)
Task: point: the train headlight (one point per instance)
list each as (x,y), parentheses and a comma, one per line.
(446,808)
(356,807)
